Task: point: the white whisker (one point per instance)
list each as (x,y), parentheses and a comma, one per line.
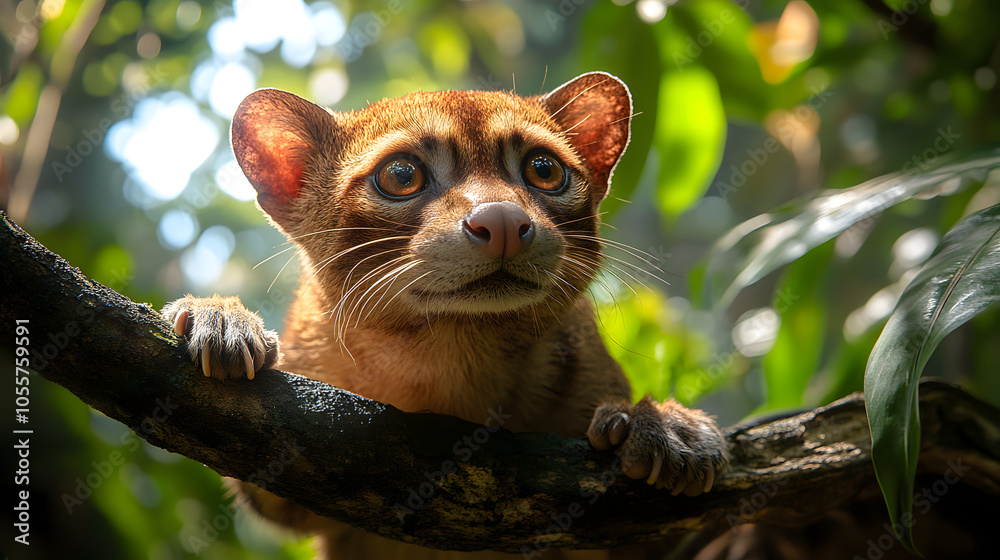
(285,250)
(391,276)
(282,269)
(340,321)
(327,261)
(618,245)
(405,287)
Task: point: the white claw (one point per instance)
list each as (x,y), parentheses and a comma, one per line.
(205,363)
(657,465)
(709,478)
(180,323)
(247,361)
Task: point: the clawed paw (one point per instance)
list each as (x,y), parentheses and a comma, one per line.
(223,336)
(664,443)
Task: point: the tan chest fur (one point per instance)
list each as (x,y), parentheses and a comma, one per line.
(463,368)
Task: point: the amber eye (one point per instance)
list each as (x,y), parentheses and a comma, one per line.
(544,172)
(401,175)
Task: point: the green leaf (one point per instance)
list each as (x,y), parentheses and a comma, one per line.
(658,350)
(690,137)
(20,98)
(847,367)
(630,327)
(448,47)
(960,280)
(760,245)
(801,300)
(633,56)
(713,34)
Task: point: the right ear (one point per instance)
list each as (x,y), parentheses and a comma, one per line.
(274,134)
(597,108)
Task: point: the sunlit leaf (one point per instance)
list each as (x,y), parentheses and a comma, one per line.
(661,355)
(633,57)
(54,29)
(21,99)
(760,245)
(713,34)
(448,47)
(630,329)
(960,280)
(690,137)
(112,266)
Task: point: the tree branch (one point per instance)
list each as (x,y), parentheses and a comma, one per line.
(431,479)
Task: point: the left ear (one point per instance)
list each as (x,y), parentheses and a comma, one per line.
(595,110)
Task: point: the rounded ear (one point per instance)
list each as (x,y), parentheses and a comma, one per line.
(274,134)
(594,110)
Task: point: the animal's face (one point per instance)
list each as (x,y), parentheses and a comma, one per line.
(440,203)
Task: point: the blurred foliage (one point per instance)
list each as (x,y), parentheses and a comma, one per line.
(741,107)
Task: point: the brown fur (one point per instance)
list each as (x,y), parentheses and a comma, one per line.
(398,302)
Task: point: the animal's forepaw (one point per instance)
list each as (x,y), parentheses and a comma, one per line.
(668,445)
(223,336)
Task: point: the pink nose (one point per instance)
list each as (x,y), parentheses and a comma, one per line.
(501,229)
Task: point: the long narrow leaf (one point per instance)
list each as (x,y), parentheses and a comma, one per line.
(760,245)
(960,280)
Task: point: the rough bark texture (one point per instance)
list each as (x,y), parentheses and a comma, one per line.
(363,462)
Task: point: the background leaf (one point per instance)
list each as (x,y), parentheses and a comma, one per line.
(800,301)
(633,56)
(760,245)
(690,136)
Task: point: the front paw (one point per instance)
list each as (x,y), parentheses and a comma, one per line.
(226,338)
(668,445)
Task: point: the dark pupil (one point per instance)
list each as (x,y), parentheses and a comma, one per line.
(402,171)
(543,168)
